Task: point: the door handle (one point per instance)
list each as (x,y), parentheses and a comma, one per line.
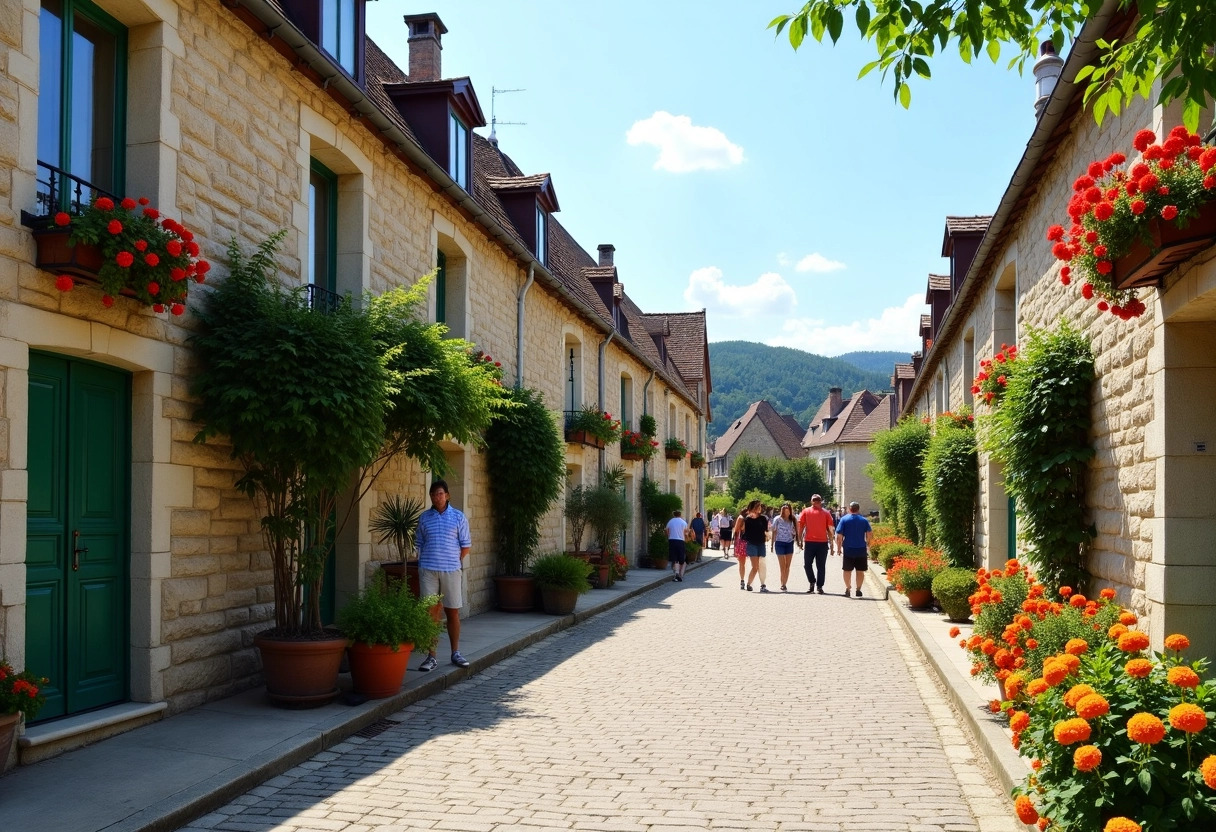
(76,550)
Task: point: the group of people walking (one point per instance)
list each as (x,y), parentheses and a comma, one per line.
(815,529)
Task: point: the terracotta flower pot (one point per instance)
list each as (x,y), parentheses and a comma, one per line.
(377,670)
(515,593)
(301,673)
(1147,265)
(8,730)
(396,570)
(556,601)
(920,599)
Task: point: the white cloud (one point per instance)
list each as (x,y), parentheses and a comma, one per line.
(683,146)
(818,264)
(783,259)
(895,328)
(770,294)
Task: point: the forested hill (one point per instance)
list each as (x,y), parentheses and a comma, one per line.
(878,361)
(791,380)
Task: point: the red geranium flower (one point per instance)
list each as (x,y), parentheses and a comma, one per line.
(151,213)
(124,259)
(114,227)
(1169,212)
(1138,206)
(151,259)
(107,301)
(141,245)
(62,218)
(1143,139)
(153,288)
(1104,210)
(177,309)
(158,307)
(104,204)
(64,283)
(127,204)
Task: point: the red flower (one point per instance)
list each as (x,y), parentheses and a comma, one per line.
(1054,233)
(1207,159)
(1099,251)
(192,247)
(177,309)
(202,267)
(1096,170)
(127,204)
(104,204)
(1209,182)
(1154,153)
(1064,278)
(1116,158)
(151,213)
(174,247)
(1091,237)
(151,259)
(62,219)
(1094,194)
(1163,190)
(177,274)
(124,259)
(1138,170)
(158,307)
(200,277)
(153,288)
(1138,206)
(64,283)
(1103,306)
(1169,212)
(1148,181)
(1082,183)
(1062,251)
(1143,139)
(1001,380)
(141,245)
(107,301)
(1104,210)
(143,200)
(1174,145)
(1103,267)
(114,227)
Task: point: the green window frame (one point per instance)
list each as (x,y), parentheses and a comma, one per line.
(441,288)
(322,226)
(65,27)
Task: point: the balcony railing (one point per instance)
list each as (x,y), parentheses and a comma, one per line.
(57,190)
(321,299)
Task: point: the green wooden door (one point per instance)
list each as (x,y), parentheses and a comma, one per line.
(1012,541)
(77,551)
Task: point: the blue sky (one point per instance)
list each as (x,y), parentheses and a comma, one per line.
(798,205)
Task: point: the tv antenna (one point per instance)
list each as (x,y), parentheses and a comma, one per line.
(494,122)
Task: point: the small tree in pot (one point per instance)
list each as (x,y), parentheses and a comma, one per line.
(385,622)
(608,513)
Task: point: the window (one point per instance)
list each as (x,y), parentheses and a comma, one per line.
(829,469)
(82,103)
(542,236)
(671,421)
(322,227)
(458,151)
(572,355)
(626,409)
(441,289)
(339,32)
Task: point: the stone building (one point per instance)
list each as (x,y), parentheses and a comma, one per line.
(1152,484)
(839,438)
(239,119)
(762,431)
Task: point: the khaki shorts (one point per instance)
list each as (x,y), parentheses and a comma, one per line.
(447,585)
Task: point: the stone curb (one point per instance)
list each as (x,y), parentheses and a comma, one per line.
(205,797)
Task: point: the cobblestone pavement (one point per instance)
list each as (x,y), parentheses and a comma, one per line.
(695,706)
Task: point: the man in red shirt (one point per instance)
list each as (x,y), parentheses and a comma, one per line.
(815,528)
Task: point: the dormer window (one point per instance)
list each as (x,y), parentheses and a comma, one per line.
(458,150)
(339,28)
(542,236)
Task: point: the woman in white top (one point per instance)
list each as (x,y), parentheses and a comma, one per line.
(784,531)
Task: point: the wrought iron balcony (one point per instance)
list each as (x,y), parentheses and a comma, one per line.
(57,190)
(321,299)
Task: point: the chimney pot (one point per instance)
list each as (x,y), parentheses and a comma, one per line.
(425,46)
(1047,71)
(606,251)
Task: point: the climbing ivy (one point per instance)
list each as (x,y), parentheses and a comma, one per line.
(951,486)
(900,454)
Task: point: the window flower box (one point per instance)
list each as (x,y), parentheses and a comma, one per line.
(57,254)
(592,427)
(1147,262)
(637,447)
(696,459)
(582,437)
(675,449)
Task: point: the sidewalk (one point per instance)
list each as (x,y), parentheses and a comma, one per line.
(162,775)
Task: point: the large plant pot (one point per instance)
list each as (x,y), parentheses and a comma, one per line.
(301,673)
(396,570)
(515,593)
(378,670)
(603,575)
(8,730)
(920,599)
(1147,264)
(556,601)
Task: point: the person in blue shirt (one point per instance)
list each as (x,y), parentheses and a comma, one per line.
(853,536)
(443,544)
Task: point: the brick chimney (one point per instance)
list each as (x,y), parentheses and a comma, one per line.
(606,250)
(835,402)
(1047,71)
(425,48)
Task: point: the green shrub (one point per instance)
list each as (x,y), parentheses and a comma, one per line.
(952,588)
(560,571)
(951,487)
(389,615)
(897,550)
(900,455)
(692,550)
(657,545)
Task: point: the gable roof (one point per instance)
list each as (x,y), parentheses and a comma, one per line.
(904,371)
(976,224)
(826,430)
(882,417)
(786,438)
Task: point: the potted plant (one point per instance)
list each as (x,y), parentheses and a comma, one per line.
(396,522)
(561,580)
(696,459)
(591,426)
(20,697)
(384,623)
(576,516)
(128,248)
(1131,226)
(608,514)
(914,576)
(526,462)
(675,448)
(260,346)
(637,447)
(648,426)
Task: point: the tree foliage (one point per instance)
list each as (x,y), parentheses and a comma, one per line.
(1170,39)
(900,454)
(796,479)
(1040,434)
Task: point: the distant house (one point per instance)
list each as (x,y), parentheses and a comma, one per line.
(761,431)
(839,438)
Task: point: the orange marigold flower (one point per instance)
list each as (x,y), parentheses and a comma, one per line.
(1016,741)
(1070,662)
(975,641)
(1025,809)
(962,642)
(1075,693)
(988,648)
(1128,618)
(1018,721)
(975,670)
(1208,769)
(1116,630)
(1145,728)
(1070,731)
(1087,758)
(1054,672)
(1076,646)
(1093,706)
(1043,824)
(1002,658)
(1177,642)
(995,706)
(1077,601)
(1108,594)
(1188,717)
(1121,825)
(1038,764)
(1032,643)
(1133,641)
(1013,685)
(1138,668)
(1183,677)
(1036,687)
(954,631)
(1065,591)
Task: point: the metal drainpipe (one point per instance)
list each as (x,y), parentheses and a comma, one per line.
(519,326)
(700,444)
(600,375)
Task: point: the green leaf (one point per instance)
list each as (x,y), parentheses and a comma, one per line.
(1083,73)
(1146,781)
(921,67)
(863,17)
(994,50)
(1190,118)
(905,96)
(867,69)
(835,23)
(798,32)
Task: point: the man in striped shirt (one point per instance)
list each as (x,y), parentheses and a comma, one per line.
(443,543)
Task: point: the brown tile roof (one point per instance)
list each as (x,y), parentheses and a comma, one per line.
(977,224)
(905,371)
(688,346)
(600,272)
(517,183)
(825,430)
(926,324)
(793,423)
(939,283)
(881,417)
(773,422)
(379,69)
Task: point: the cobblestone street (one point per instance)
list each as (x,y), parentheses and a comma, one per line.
(695,706)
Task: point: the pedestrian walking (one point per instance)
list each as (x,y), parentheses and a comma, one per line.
(726,527)
(755,534)
(785,531)
(740,547)
(853,536)
(443,543)
(698,529)
(678,533)
(816,533)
